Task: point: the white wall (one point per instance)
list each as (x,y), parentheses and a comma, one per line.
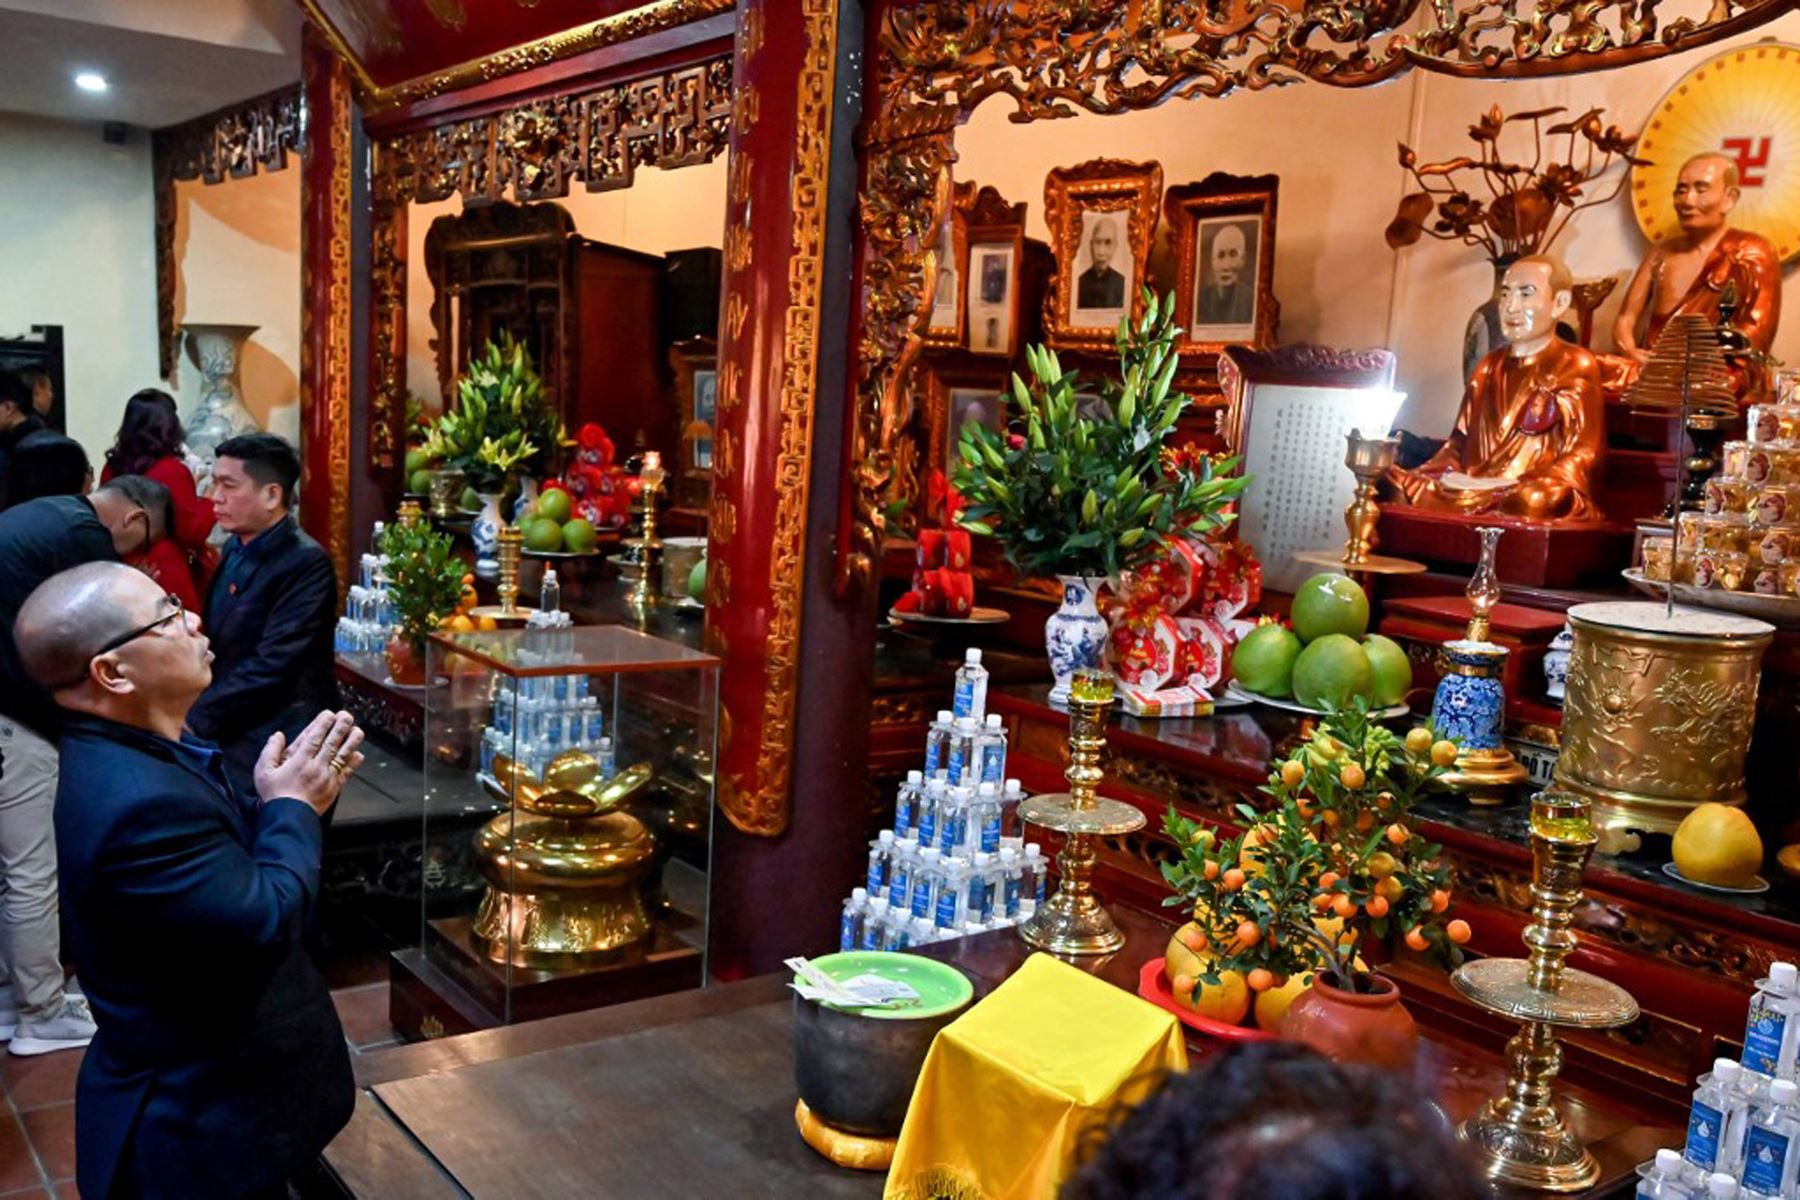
(77,241)
(237,253)
(661,211)
(1337,280)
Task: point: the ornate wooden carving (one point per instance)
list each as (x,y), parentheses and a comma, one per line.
(231,143)
(937,60)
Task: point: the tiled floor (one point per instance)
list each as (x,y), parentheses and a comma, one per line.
(37,1118)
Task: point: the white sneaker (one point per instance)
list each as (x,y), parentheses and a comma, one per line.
(70,1029)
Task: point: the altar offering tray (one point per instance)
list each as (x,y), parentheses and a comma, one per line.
(1234,692)
(1779,610)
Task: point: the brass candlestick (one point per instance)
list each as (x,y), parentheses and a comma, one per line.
(649,581)
(1519,1135)
(1368,458)
(1470,703)
(1073,921)
(509,611)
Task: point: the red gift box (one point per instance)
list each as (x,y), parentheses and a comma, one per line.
(932,544)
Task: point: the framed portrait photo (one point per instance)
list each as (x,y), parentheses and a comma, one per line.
(944,327)
(1223,230)
(995,251)
(953,394)
(1102,217)
(696,377)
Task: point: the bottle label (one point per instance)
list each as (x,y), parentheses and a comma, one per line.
(876,863)
(993,763)
(847,931)
(964,704)
(1012,895)
(897,885)
(1704,1124)
(1763,1036)
(956,761)
(990,832)
(934,754)
(946,909)
(981,900)
(928,825)
(921,897)
(869,935)
(1765,1160)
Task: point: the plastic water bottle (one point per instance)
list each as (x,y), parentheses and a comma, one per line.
(1771,1159)
(926,875)
(991,752)
(1010,796)
(962,751)
(550,594)
(1038,867)
(850,924)
(1713,1119)
(1720,1186)
(593,724)
(1661,1180)
(874,936)
(1771,1030)
(1011,878)
(906,804)
(931,801)
(607,758)
(937,743)
(899,892)
(951,908)
(983,882)
(971,687)
(880,851)
(953,822)
(986,819)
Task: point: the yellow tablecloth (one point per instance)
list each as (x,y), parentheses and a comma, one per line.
(1010,1086)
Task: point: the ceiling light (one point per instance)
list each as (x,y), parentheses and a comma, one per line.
(90,81)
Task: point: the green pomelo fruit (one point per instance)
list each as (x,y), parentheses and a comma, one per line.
(542,535)
(1264,661)
(1391,668)
(697,581)
(417,460)
(553,505)
(470,500)
(1330,604)
(1331,671)
(419,481)
(579,535)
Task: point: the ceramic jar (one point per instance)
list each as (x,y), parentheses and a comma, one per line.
(1373,1028)
(1556,663)
(1075,634)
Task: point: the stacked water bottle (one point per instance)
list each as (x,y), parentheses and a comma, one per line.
(369,619)
(1745,1120)
(954,863)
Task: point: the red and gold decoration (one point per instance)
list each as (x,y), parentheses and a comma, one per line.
(1174,621)
(596,483)
(1744,104)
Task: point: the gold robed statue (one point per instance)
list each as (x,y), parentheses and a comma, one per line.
(1692,273)
(1532,424)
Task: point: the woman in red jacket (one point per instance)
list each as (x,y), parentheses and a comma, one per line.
(149,443)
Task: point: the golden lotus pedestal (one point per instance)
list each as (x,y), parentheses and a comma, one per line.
(1657,713)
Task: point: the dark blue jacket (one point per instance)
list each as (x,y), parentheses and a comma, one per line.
(220,1067)
(271,615)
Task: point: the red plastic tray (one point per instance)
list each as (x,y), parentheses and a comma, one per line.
(1153,985)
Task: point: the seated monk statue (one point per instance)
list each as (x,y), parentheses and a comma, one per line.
(1689,274)
(1532,423)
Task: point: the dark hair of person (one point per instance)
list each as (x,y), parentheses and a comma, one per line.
(1276,1121)
(150,432)
(267,459)
(15,390)
(46,464)
(148,495)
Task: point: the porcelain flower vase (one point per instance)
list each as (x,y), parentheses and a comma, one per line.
(485,533)
(1075,634)
(216,351)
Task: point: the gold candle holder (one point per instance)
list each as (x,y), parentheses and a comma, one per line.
(648,587)
(1368,458)
(509,611)
(1519,1135)
(1073,921)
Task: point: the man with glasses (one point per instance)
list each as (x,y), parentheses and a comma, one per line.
(220,1068)
(38,539)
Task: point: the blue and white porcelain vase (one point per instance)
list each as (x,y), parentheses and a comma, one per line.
(1556,664)
(1470,704)
(485,533)
(1075,634)
(528,495)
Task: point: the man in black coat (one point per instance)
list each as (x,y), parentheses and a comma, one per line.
(219,1068)
(272,609)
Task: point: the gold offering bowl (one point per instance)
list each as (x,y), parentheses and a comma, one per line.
(564,866)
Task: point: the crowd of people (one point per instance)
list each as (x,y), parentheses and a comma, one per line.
(169,757)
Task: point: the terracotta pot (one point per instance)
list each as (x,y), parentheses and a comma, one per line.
(405,662)
(1372,1028)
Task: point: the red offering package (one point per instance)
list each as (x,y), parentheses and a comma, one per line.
(934,597)
(932,544)
(959,593)
(957,550)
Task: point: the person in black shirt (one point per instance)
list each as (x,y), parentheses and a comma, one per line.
(47,464)
(271,611)
(37,540)
(17,419)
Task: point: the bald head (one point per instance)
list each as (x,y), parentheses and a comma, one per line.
(1706,190)
(1712,161)
(1228,249)
(72,614)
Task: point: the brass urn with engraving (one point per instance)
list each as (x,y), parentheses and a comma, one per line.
(1658,713)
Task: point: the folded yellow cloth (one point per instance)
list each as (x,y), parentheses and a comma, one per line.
(1010,1086)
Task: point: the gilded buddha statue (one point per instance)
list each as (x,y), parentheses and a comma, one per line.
(1532,423)
(1691,274)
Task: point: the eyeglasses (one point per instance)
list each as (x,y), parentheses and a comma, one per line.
(178,612)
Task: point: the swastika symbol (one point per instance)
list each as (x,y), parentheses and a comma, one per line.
(1749,164)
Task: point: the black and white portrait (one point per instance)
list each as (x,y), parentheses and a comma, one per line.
(1225,279)
(1103,282)
(991,298)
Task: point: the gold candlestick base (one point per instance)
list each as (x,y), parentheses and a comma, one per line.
(1519,1135)
(1073,921)
(645,592)
(1486,777)
(1368,459)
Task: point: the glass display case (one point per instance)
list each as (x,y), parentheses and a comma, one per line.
(567,821)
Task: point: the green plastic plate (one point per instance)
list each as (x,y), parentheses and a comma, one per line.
(941,987)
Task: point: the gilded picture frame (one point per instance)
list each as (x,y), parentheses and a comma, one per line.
(1223,233)
(993,292)
(1102,217)
(694,369)
(947,320)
